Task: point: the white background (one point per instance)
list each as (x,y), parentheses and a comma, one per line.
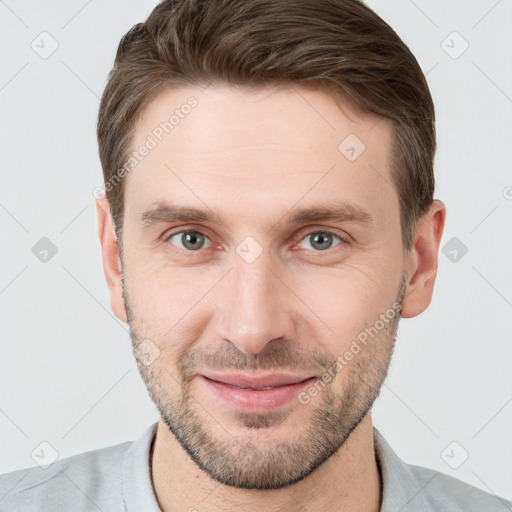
(67,374)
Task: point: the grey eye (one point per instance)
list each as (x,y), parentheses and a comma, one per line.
(321,240)
(189,240)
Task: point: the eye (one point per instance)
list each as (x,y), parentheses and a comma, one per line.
(193,241)
(320,240)
(189,240)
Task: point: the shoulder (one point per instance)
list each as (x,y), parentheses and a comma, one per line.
(444,492)
(87,480)
(408,487)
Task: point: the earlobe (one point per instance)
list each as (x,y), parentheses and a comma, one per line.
(422,260)
(111,258)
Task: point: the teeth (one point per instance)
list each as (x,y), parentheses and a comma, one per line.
(252,389)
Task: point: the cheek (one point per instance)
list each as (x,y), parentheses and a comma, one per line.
(348,299)
(161,289)
(167,304)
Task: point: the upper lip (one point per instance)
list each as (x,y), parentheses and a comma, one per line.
(272,380)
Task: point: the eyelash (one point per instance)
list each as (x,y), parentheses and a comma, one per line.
(168,236)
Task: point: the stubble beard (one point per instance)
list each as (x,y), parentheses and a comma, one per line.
(255,461)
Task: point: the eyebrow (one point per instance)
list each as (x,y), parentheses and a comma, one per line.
(332,212)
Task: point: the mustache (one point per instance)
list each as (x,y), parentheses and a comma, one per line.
(279,356)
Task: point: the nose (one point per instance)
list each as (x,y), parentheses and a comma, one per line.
(255,306)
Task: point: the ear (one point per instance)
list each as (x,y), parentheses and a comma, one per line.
(111,258)
(422,259)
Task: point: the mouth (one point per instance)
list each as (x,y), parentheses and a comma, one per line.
(268,381)
(246,393)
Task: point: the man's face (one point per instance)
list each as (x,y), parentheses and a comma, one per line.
(247,291)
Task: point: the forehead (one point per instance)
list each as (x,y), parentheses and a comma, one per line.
(242,148)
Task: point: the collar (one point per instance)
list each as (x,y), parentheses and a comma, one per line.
(400,486)
(138,491)
(401,489)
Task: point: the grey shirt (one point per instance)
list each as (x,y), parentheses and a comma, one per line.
(118,478)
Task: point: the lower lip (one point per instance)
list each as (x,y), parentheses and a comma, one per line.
(255,400)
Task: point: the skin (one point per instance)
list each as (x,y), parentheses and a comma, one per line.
(252,156)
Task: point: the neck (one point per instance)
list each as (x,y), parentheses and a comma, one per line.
(347,481)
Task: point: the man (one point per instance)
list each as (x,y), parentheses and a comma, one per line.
(269,216)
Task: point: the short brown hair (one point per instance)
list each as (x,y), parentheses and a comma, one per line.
(336,45)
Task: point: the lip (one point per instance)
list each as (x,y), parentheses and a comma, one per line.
(246,393)
(271,380)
